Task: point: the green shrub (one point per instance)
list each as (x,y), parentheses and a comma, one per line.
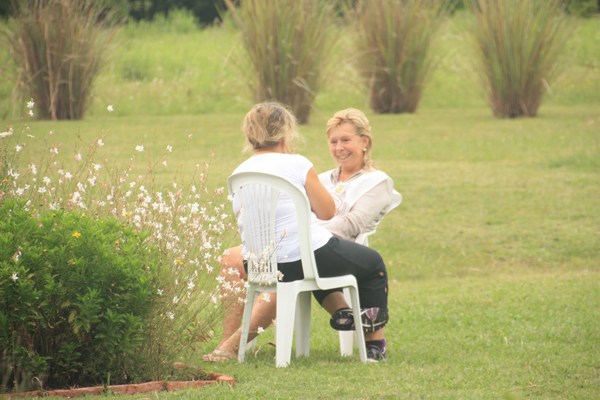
(114,278)
(518,44)
(392,46)
(288,44)
(75,298)
(59,47)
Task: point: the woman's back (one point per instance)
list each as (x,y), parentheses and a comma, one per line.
(294,168)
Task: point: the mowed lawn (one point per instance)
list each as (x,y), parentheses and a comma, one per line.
(493,256)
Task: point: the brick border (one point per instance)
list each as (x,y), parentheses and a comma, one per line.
(134,388)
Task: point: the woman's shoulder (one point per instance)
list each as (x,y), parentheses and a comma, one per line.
(375,175)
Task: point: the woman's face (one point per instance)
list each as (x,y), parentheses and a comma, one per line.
(346,147)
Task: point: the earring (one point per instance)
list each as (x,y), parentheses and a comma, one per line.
(364,149)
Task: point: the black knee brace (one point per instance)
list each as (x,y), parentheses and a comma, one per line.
(373,319)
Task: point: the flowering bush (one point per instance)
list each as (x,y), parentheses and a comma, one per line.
(173,235)
(74,296)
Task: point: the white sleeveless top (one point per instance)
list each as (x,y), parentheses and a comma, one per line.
(294,168)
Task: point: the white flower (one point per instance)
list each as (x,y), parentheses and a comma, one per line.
(68,175)
(46,180)
(96,167)
(170,315)
(139,148)
(169,148)
(260,330)
(159,292)
(54,150)
(30,104)
(110,108)
(100,142)
(30,112)
(18,148)
(78,157)
(7,133)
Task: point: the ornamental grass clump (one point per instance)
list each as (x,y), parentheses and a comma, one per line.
(288,45)
(105,277)
(518,44)
(59,47)
(393,40)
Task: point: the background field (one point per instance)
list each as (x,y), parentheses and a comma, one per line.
(494,255)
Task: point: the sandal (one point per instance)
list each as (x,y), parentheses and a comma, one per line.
(342,320)
(218,355)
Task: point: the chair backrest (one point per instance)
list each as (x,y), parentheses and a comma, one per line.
(363,237)
(258,194)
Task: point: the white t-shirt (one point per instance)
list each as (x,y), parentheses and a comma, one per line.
(294,168)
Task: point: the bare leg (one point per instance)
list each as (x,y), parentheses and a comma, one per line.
(334,301)
(263,314)
(232,294)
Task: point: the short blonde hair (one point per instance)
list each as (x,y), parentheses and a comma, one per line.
(268,124)
(362,125)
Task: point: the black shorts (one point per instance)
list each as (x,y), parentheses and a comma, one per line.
(345,257)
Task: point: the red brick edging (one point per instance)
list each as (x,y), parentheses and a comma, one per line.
(135,388)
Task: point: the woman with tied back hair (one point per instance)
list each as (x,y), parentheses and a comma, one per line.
(270,129)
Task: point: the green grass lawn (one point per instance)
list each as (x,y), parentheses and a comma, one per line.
(493,256)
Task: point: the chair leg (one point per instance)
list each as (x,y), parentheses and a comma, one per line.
(250,295)
(302,325)
(346,337)
(358,331)
(286,303)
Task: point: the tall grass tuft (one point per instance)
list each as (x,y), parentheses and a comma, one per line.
(288,44)
(518,44)
(393,41)
(59,47)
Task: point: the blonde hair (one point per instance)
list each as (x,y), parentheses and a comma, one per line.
(268,124)
(363,129)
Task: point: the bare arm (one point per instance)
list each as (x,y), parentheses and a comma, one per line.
(320,200)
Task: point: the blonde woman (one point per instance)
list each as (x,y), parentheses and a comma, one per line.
(269,129)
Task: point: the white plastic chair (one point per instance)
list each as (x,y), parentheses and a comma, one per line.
(258,194)
(347,337)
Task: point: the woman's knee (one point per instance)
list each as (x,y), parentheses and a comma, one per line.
(232,263)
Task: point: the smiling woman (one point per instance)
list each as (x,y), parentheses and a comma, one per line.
(363,193)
